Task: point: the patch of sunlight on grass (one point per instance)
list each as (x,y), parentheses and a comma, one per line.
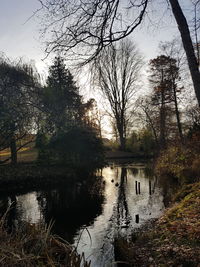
(6,152)
(26,154)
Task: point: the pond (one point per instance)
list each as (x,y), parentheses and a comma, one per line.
(90,214)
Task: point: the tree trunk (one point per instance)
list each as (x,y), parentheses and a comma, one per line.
(162,140)
(122,141)
(179,123)
(13,150)
(121,132)
(162,120)
(188,46)
(152,126)
(178,115)
(162,127)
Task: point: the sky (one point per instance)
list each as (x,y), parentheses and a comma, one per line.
(21,38)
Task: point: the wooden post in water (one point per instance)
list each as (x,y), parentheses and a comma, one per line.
(149,187)
(136,187)
(137,218)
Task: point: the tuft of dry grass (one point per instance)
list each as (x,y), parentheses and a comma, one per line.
(34,245)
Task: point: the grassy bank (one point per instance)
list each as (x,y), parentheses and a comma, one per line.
(34,245)
(173,240)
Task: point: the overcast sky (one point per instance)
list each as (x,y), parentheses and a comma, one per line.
(19,38)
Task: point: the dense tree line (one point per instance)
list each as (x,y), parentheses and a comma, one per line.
(55,113)
(67,128)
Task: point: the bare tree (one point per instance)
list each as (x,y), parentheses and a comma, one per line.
(116,72)
(98,23)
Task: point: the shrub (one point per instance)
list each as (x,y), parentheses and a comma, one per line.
(181,162)
(78,147)
(41,143)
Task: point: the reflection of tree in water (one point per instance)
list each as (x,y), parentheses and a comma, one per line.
(120,217)
(123,216)
(134,171)
(71,208)
(149,173)
(168,184)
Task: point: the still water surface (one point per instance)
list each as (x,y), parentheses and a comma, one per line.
(122,199)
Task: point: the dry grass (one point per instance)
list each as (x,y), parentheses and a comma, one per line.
(34,245)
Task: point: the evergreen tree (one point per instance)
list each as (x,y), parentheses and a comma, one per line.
(61,99)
